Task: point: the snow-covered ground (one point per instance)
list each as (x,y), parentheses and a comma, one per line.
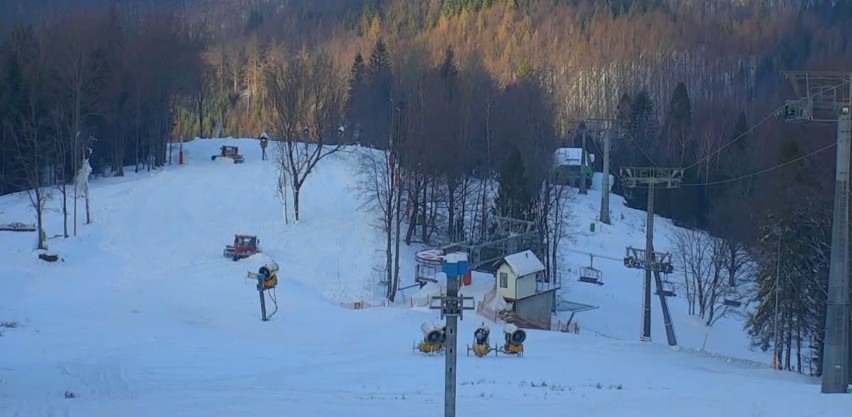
(144,317)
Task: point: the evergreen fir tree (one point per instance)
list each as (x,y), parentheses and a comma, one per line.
(378,86)
(380,64)
(792,255)
(449,71)
(687,206)
(356,73)
(640,130)
(514,198)
(356,90)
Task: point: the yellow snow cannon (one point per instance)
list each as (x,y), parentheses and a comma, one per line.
(481,345)
(267,280)
(515,337)
(269,276)
(434,337)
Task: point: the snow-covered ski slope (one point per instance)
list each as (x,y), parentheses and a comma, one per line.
(146,318)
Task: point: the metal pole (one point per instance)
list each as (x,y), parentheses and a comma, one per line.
(76,172)
(835,368)
(452,308)
(260,279)
(848,134)
(649,262)
(605,183)
(776,360)
(452,302)
(667,318)
(583,160)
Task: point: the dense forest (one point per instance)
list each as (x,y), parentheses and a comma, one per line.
(460,92)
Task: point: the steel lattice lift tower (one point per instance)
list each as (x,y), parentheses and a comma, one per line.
(650,261)
(826,97)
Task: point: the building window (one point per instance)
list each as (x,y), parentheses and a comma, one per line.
(504,280)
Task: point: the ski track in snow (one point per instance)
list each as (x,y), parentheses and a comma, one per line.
(146,318)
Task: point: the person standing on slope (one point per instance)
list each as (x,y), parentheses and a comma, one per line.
(264,140)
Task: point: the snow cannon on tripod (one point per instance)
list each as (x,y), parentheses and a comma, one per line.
(434,337)
(514,340)
(481,343)
(267,280)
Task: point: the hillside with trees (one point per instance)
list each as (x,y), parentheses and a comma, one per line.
(461,93)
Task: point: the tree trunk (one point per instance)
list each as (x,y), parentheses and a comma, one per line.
(138,135)
(424,227)
(201,112)
(690,298)
(799,347)
(398,232)
(64,205)
(483,228)
(451,209)
(414,198)
(388,220)
(463,214)
(732,267)
(88,207)
(789,341)
(296,191)
(40,216)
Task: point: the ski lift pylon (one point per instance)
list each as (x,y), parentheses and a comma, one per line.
(589,274)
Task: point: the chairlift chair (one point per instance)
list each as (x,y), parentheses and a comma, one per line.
(732,303)
(590,275)
(667,290)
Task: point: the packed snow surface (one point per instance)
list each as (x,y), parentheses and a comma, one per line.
(145,317)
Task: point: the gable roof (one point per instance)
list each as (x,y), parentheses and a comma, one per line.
(571,157)
(524,263)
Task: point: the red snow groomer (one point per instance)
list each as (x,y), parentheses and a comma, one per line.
(230,152)
(243,247)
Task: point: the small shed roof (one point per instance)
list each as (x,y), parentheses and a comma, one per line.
(571,157)
(524,263)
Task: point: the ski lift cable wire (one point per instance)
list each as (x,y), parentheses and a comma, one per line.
(762,171)
(753,127)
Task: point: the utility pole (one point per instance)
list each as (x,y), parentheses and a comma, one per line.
(583,159)
(776,361)
(605,127)
(604,216)
(653,177)
(452,307)
(826,97)
(76,169)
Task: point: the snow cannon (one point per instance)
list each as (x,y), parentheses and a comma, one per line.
(434,337)
(268,276)
(515,337)
(267,279)
(481,344)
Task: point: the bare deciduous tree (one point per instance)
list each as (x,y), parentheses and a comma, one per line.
(25,121)
(307,99)
(62,149)
(707,270)
(380,193)
(554,220)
